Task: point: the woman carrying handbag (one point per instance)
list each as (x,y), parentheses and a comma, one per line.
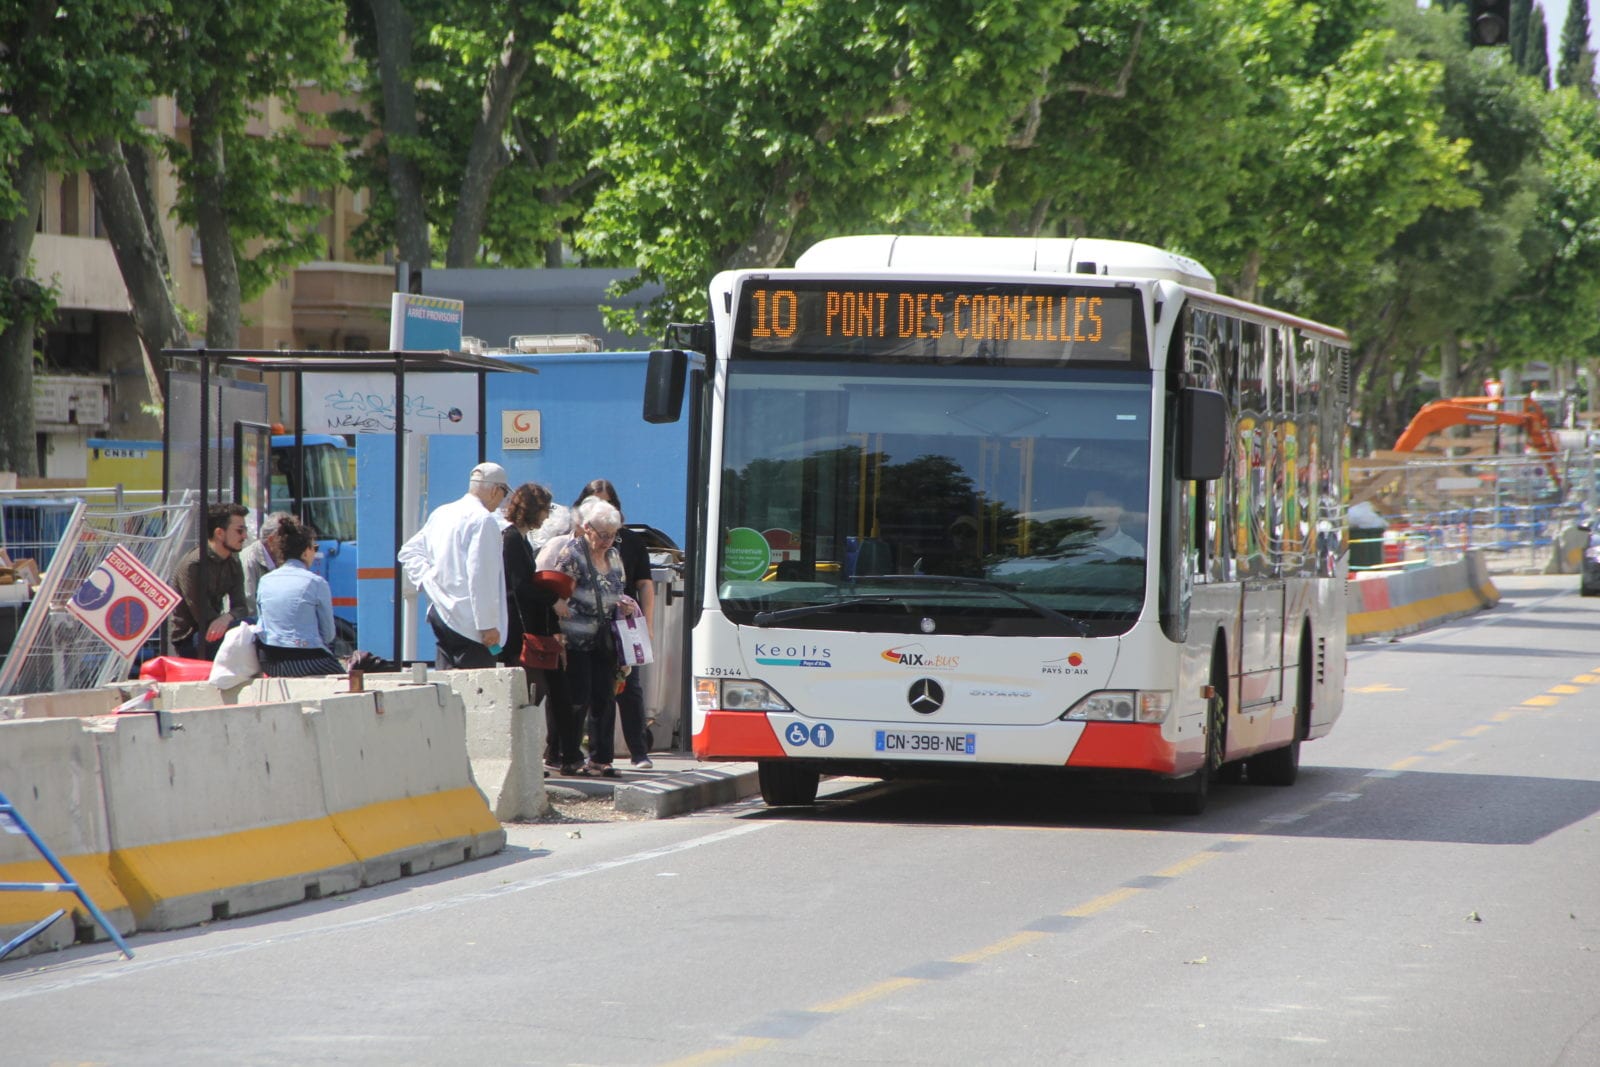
(590,559)
(533,633)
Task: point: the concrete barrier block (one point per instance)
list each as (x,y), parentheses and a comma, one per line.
(397,783)
(223,817)
(75,703)
(505,739)
(50,772)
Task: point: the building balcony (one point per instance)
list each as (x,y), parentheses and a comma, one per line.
(342,305)
(85,271)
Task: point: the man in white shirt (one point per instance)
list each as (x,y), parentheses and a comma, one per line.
(457,559)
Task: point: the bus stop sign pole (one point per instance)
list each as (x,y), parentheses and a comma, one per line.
(11,821)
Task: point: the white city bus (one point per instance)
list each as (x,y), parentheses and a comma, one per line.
(989,505)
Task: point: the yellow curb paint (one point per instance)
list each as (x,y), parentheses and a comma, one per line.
(717,1055)
(1001,947)
(867,995)
(1185,866)
(1540,702)
(1101,903)
(92,872)
(392,825)
(150,874)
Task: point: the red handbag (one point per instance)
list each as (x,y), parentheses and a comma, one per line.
(541,652)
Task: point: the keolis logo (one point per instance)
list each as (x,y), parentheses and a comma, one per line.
(772,655)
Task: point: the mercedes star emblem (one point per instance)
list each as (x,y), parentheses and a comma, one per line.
(926,696)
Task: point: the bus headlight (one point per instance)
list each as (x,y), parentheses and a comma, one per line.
(1121,705)
(737,694)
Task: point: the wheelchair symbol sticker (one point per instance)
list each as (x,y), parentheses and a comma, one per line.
(797,734)
(822,735)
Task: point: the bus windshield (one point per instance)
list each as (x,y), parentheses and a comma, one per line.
(966,499)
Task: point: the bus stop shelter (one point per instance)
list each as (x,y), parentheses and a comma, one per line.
(218,435)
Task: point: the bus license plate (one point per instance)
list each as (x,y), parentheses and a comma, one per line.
(925,743)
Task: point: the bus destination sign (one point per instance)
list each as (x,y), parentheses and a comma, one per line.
(941,322)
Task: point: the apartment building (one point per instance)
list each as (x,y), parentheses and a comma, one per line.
(95,385)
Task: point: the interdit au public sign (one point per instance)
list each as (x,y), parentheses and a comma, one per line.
(123,601)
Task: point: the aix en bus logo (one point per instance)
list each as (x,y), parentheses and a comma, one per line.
(919,658)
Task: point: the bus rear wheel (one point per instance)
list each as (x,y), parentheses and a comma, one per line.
(785,784)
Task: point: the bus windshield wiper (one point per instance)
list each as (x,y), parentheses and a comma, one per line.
(767,618)
(992,587)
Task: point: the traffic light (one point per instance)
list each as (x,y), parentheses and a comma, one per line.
(1489,22)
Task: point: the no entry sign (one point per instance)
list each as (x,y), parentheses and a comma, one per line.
(123,601)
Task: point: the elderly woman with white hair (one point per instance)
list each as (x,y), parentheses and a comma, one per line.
(591,559)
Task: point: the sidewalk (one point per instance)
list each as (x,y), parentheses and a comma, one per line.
(676,785)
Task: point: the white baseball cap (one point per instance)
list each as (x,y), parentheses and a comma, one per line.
(490,474)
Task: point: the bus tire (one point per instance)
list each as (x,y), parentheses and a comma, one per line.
(785,784)
(1192,793)
(1281,766)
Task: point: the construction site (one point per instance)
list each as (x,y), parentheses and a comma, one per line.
(1490,473)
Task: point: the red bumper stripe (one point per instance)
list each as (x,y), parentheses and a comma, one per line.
(1134,746)
(736,735)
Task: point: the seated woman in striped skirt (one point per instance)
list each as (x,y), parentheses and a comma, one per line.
(294,610)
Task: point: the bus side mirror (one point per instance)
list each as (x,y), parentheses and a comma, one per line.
(663,386)
(1202,435)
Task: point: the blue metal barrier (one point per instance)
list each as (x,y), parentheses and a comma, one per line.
(11,821)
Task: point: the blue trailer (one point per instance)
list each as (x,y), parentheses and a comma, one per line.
(586,406)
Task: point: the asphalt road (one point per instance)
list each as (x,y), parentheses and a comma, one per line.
(1428,893)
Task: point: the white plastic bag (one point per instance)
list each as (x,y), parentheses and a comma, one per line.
(236,661)
(633,641)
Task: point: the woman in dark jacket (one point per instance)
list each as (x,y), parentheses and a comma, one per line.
(531,608)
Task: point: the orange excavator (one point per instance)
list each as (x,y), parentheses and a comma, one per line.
(1516,411)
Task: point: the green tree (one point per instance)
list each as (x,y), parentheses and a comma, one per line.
(1128,141)
(63,75)
(480,158)
(1550,313)
(1425,304)
(1575,68)
(233,66)
(733,125)
(1535,59)
(1349,155)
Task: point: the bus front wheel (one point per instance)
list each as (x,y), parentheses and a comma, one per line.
(785,784)
(1191,794)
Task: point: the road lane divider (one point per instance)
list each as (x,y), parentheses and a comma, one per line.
(1393,603)
(224,816)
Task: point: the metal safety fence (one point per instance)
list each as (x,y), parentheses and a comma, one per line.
(52,650)
(1513,510)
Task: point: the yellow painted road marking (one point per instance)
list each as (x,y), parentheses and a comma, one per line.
(1184,866)
(867,995)
(1004,945)
(1381,687)
(1503,716)
(1101,903)
(1565,690)
(1443,745)
(1474,731)
(1402,764)
(1587,679)
(1540,702)
(717,1055)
